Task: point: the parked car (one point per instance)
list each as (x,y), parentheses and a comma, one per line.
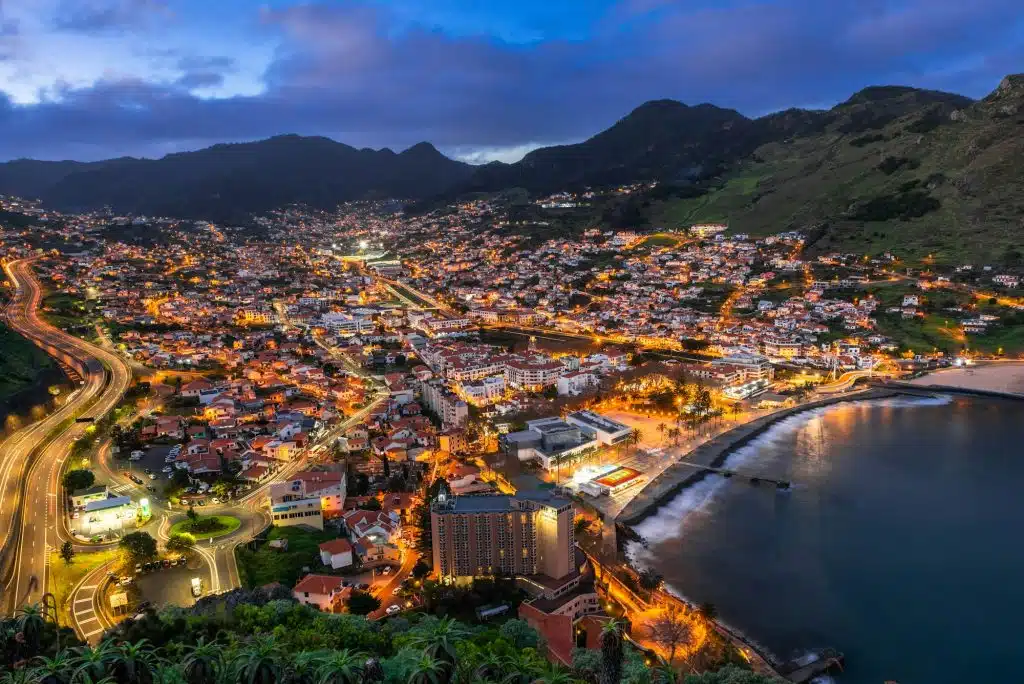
(397,591)
(215,500)
(167,469)
(363,586)
(386,571)
(150,488)
(393,610)
(152,476)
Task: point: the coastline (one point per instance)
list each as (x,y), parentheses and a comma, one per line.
(714,452)
(1005,378)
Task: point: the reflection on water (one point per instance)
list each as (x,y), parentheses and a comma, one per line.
(892,541)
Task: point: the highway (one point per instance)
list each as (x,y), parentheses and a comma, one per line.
(31,460)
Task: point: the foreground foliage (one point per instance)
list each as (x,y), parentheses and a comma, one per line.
(257,637)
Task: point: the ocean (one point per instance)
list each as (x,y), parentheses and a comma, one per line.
(898,543)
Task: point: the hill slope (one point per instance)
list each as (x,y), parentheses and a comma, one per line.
(909,171)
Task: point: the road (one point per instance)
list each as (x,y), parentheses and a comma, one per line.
(31,460)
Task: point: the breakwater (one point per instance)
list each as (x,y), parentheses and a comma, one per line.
(713,453)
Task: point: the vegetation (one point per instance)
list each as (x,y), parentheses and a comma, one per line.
(139,546)
(182,542)
(258,564)
(20,364)
(78,479)
(206,526)
(362,603)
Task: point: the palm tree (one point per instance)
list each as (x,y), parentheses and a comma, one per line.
(31,623)
(203,662)
(429,670)
(55,670)
(92,663)
(634,437)
(438,638)
(661,429)
(340,667)
(260,662)
(611,653)
(663,673)
(133,662)
(650,579)
(673,434)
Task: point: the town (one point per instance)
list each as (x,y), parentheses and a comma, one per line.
(450,412)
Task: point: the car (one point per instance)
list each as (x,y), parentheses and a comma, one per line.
(397,591)
(346,583)
(75,515)
(393,610)
(363,586)
(387,571)
(151,488)
(152,476)
(125,581)
(147,471)
(202,502)
(197,587)
(215,500)
(167,469)
(166,562)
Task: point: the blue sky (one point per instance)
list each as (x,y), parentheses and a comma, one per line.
(484,79)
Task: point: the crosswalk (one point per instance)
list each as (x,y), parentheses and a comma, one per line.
(122,488)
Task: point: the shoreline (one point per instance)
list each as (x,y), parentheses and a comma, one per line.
(991,378)
(714,452)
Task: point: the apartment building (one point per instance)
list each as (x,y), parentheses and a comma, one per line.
(307,498)
(530,533)
(532,377)
(445,404)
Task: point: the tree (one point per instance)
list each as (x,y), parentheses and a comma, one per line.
(670,630)
(371,504)
(611,653)
(362,603)
(78,479)
(661,429)
(191,514)
(650,579)
(67,552)
(203,662)
(420,570)
(181,542)
(140,546)
(520,634)
(707,610)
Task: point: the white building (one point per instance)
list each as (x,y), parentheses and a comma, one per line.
(108,515)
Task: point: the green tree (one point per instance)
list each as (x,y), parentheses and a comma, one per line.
(362,603)
(191,514)
(204,662)
(420,570)
(139,546)
(181,542)
(259,662)
(611,653)
(67,552)
(650,579)
(78,479)
(520,634)
(730,674)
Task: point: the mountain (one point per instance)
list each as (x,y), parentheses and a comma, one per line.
(910,171)
(228,182)
(663,139)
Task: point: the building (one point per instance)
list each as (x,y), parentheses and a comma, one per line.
(307,498)
(336,553)
(610,480)
(750,366)
(445,404)
(605,430)
(81,497)
(557,619)
(107,515)
(325,592)
(551,441)
(528,534)
(532,377)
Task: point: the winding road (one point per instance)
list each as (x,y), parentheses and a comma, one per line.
(31,459)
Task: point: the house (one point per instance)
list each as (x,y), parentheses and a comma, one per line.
(336,553)
(321,591)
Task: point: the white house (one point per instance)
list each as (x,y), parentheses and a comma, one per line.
(336,553)
(320,591)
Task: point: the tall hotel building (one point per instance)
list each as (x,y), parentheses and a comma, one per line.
(529,534)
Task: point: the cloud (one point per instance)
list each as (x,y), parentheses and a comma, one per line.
(9,35)
(352,71)
(96,16)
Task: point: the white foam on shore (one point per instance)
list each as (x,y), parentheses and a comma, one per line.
(666,523)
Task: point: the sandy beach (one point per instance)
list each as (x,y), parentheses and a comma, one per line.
(993,377)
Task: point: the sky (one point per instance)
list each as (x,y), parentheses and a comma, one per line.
(480,79)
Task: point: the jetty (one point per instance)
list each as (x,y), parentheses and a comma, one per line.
(813,665)
(752,479)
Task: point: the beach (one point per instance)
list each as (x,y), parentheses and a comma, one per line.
(997,376)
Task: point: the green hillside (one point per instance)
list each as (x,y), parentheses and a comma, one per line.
(20,362)
(892,169)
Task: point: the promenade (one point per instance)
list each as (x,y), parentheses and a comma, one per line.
(713,453)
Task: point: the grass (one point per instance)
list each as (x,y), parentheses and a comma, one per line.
(20,363)
(226,525)
(64,577)
(266,565)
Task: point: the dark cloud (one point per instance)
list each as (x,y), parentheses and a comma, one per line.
(98,16)
(348,71)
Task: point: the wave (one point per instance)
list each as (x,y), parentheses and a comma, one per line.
(666,523)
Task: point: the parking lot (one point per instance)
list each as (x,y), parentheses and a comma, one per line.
(172,586)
